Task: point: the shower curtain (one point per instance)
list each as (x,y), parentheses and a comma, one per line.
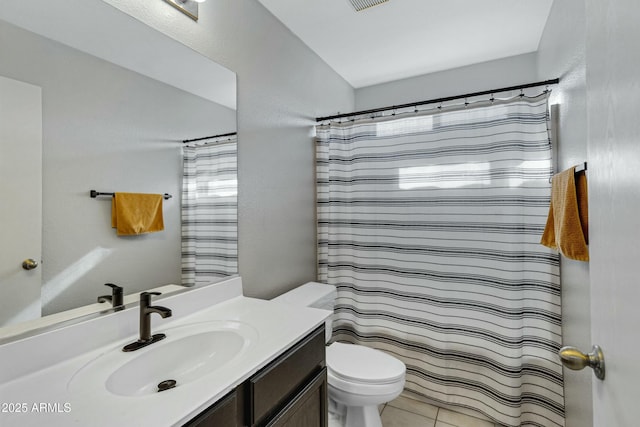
(429,225)
(209,212)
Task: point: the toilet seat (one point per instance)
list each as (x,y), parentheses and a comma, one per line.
(360,364)
(380,391)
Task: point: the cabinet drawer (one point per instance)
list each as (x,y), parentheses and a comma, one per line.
(269,388)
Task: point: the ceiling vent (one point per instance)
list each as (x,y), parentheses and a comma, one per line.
(360,5)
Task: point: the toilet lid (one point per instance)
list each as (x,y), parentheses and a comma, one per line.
(362,364)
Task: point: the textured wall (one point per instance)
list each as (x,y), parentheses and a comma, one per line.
(282,87)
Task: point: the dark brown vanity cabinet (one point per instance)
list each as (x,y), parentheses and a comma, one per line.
(223,413)
(307,408)
(291,391)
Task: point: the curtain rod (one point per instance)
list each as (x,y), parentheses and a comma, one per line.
(434,101)
(209,137)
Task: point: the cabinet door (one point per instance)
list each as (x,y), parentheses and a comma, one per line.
(308,408)
(222,414)
(274,385)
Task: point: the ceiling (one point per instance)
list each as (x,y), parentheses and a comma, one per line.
(405,38)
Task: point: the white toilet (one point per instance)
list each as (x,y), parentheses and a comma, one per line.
(360,378)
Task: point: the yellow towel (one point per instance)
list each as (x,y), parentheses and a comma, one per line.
(135,213)
(567,228)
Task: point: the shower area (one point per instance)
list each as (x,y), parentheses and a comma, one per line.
(429,225)
(209,209)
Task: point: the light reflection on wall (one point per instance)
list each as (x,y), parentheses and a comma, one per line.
(67,277)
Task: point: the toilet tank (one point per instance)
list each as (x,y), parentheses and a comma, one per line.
(312,294)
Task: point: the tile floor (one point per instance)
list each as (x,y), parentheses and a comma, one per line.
(406,412)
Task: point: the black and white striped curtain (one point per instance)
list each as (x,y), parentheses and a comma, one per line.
(209,212)
(429,225)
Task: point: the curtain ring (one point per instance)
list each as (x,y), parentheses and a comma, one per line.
(465,103)
(492,99)
(521,93)
(440,106)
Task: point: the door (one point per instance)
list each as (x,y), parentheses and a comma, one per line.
(613,83)
(21,200)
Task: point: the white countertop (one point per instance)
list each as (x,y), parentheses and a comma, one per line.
(46,398)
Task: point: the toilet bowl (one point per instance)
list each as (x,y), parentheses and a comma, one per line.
(360,378)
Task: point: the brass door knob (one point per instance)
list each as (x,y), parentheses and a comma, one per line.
(574,359)
(29,264)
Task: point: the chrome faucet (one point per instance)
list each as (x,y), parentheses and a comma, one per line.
(116,298)
(145,322)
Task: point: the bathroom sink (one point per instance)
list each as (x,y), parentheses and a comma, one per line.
(189,353)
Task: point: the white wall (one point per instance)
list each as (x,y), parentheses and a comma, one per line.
(108,129)
(472,78)
(562,54)
(282,87)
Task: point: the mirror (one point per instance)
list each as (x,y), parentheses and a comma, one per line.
(118,99)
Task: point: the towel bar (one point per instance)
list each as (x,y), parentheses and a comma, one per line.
(94,194)
(582,167)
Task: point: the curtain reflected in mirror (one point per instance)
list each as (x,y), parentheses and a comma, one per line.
(209,211)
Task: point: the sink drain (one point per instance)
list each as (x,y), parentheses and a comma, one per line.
(166,385)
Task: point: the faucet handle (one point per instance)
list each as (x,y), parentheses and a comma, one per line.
(145,297)
(115,288)
(116,297)
(117,293)
(149,293)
